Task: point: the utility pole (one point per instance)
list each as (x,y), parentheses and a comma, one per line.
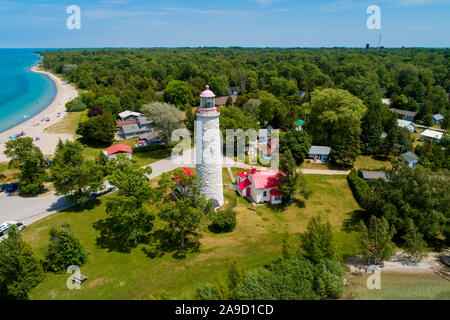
(379,43)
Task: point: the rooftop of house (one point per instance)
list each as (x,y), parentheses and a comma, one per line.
(438,117)
(299,122)
(410,157)
(133,128)
(128,113)
(144,120)
(432,134)
(221,101)
(266,179)
(151,136)
(320,150)
(404,112)
(118,148)
(373,175)
(404,123)
(123,123)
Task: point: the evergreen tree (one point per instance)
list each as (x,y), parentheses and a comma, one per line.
(20,270)
(414,243)
(371,129)
(317,241)
(377,239)
(64,250)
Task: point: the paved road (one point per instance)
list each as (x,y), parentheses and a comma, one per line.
(29,210)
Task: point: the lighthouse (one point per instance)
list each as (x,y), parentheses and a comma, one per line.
(209,147)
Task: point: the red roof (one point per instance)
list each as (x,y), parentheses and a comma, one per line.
(275,192)
(243,174)
(118,148)
(244,184)
(266,179)
(122,123)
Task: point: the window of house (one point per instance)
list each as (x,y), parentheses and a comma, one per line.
(278,198)
(265,194)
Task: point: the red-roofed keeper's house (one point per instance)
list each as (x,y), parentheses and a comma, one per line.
(260,186)
(116,149)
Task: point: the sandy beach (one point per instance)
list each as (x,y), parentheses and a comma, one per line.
(55,112)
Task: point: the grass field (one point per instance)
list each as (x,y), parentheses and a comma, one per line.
(400,286)
(367,162)
(138,274)
(68,125)
(6,174)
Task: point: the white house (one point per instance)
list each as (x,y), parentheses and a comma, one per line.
(260,186)
(431,135)
(406,124)
(116,149)
(129,115)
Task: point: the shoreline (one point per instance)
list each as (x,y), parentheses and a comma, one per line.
(55,111)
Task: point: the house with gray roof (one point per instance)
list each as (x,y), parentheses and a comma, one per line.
(144,122)
(371,176)
(411,159)
(129,131)
(320,153)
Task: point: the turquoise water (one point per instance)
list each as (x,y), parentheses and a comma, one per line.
(23,93)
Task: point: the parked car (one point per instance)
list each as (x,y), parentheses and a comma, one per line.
(6,225)
(2,187)
(12,187)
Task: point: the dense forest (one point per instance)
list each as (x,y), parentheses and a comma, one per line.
(337,91)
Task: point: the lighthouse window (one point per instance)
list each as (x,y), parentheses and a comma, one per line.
(212,151)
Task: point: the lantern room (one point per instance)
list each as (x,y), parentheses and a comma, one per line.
(207,98)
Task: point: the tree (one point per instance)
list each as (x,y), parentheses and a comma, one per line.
(76,105)
(73,175)
(224,221)
(377,239)
(437,99)
(291,180)
(414,243)
(109,103)
(178,94)
(98,130)
(269,106)
(20,270)
(346,150)
(29,159)
(166,118)
(317,241)
(297,142)
(329,279)
(190,120)
(64,250)
(235,118)
(371,129)
(181,203)
(335,114)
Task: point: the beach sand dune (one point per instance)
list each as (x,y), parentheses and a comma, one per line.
(55,112)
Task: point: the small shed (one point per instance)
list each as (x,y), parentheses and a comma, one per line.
(299,123)
(411,159)
(116,149)
(438,118)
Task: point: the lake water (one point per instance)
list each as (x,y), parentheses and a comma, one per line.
(23,93)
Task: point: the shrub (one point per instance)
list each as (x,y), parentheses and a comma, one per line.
(75,105)
(224,221)
(359,187)
(64,250)
(206,291)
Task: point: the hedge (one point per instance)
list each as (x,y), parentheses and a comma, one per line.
(224,221)
(359,187)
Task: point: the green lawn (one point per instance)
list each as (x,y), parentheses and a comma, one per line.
(367,162)
(256,241)
(6,174)
(400,286)
(68,125)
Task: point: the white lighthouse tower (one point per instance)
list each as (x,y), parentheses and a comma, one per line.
(209,147)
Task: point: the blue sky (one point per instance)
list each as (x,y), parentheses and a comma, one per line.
(248,23)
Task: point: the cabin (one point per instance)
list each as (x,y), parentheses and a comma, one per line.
(129,115)
(431,135)
(438,118)
(260,186)
(407,115)
(406,124)
(116,149)
(386,101)
(410,159)
(371,176)
(319,153)
(233,91)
